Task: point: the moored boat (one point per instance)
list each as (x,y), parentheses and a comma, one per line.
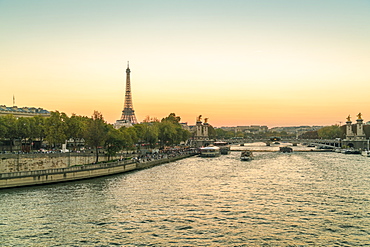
(224,147)
(286,149)
(210,151)
(351,151)
(246,155)
(365,153)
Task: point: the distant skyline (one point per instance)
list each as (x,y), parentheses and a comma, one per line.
(239,62)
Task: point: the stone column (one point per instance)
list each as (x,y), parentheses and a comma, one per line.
(360,129)
(205,130)
(349,132)
(199,129)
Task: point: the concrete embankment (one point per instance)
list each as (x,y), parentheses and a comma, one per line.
(294,150)
(10,163)
(27,178)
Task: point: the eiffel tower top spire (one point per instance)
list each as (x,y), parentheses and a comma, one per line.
(128,67)
(128,113)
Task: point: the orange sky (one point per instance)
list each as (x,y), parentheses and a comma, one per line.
(237,63)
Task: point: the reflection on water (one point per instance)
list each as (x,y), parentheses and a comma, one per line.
(277,199)
(273,147)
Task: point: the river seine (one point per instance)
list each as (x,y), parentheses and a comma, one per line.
(277,199)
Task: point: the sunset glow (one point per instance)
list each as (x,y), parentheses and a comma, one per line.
(274,63)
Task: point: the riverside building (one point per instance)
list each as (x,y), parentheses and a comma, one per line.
(23,111)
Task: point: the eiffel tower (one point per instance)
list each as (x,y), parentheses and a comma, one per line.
(128,113)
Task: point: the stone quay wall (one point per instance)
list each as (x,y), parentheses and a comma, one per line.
(28,178)
(34,162)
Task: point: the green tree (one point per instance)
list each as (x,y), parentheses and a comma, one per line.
(2,127)
(310,135)
(23,126)
(167,133)
(3,130)
(366,130)
(239,134)
(150,134)
(96,132)
(76,126)
(172,118)
(114,142)
(212,132)
(330,132)
(56,128)
(170,130)
(183,134)
(230,134)
(37,127)
(220,133)
(130,137)
(9,123)
(139,130)
(147,133)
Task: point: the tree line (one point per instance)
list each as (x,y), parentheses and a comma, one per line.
(96,132)
(332,132)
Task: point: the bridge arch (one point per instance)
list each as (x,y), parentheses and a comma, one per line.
(351,145)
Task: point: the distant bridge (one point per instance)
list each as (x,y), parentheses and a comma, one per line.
(315,142)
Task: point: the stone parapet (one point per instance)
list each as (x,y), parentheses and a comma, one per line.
(27,178)
(34,162)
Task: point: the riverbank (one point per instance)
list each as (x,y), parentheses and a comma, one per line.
(294,150)
(22,162)
(28,178)
(296,199)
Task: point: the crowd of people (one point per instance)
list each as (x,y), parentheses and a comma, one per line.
(164,154)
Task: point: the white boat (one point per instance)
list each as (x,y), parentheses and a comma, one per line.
(246,155)
(351,151)
(210,151)
(224,147)
(366,152)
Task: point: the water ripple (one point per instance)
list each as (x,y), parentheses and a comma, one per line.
(299,199)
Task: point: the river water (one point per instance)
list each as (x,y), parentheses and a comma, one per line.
(296,199)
